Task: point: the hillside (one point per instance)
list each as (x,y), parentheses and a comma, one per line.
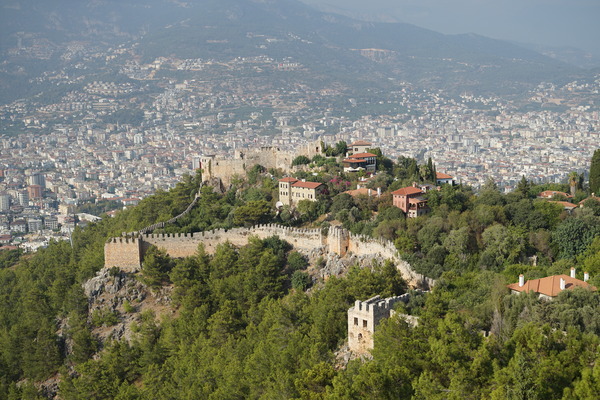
(263,320)
(329,45)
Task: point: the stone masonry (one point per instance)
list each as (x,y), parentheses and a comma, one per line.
(364,317)
(127,252)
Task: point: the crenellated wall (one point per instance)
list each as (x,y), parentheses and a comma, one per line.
(184,244)
(127,252)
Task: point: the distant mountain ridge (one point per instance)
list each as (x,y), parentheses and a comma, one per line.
(324,42)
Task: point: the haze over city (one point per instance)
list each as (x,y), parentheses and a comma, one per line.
(554,23)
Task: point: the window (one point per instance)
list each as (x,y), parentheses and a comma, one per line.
(355,321)
(364,323)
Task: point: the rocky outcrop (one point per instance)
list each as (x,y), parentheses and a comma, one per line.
(121,298)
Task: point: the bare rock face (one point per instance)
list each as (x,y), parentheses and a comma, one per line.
(116,299)
(216,184)
(337,266)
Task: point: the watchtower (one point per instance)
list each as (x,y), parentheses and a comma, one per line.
(363,319)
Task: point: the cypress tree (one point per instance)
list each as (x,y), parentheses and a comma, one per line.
(595,173)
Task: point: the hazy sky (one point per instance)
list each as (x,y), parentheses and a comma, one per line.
(547,22)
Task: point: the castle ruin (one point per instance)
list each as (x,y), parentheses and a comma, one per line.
(364,317)
(227,168)
(127,252)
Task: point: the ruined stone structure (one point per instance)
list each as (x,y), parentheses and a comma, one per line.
(127,252)
(269,157)
(364,317)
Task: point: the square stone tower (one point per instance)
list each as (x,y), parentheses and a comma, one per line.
(363,319)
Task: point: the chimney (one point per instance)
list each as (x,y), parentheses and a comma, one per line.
(521,280)
(378,191)
(357,187)
(586,276)
(414,184)
(562,284)
(572,272)
(369,192)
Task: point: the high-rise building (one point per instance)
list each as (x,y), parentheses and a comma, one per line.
(4,202)
(37,178)
(23,198)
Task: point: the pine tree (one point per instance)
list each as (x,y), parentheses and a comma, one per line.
(595,173)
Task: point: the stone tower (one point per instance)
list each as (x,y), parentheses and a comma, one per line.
(363,319)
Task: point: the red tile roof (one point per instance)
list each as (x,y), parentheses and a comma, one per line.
(441,175)
(308,185)
(407,190)
(350,160)
(589,198)
(550,286)
(363,155)
(565,204)
(548,194)
(288,179)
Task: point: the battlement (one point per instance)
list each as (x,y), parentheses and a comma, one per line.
(364,317)
(127,251)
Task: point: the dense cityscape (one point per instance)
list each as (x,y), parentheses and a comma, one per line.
(122,141)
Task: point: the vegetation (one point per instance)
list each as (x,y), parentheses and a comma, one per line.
(258,322)
(595,172)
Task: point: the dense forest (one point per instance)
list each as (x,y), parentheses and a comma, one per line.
(256,322)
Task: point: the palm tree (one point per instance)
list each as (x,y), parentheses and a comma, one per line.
(573,180)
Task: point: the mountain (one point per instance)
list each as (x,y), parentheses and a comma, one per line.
(329,45)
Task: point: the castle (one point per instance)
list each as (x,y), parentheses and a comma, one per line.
(227,168)
(127,252)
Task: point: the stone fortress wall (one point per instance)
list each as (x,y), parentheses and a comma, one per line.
(127,252)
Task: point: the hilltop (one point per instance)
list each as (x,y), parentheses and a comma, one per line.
(264,318)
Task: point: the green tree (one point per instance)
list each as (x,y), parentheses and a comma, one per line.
(574,235)
(253,212)
(523,187)
(595,173)
(156,267)
(300,160)
(573,181)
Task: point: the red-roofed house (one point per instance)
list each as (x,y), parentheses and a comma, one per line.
(292,190)
(566,205)
(549,194)
(360,161)
(442,179)
(410,200)
(551,286)
(592,197)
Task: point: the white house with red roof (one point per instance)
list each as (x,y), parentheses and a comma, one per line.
(442,179)
(360,162)
(292,190)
